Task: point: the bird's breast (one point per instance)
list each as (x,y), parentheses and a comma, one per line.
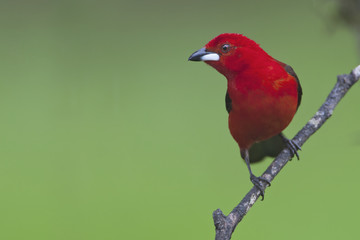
(261,110)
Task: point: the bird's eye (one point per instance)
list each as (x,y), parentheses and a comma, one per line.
(225,48)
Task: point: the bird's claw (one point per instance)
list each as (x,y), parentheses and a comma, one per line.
(293,147)
(257,183)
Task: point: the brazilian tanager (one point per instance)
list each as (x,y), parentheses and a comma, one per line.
(263,95)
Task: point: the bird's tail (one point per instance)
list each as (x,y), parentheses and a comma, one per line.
(267,148)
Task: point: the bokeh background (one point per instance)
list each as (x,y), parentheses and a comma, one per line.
(108,132)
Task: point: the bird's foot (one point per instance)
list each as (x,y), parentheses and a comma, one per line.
(293,147)
(257,183)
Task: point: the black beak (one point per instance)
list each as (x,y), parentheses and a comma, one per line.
(203,55)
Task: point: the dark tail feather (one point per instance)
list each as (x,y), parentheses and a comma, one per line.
(270,147)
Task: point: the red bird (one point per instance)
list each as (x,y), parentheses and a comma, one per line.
(262,96)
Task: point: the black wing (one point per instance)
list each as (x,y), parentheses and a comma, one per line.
(291,71)
(228,102)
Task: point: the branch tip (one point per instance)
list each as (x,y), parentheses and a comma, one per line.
(356,73)
(219,219)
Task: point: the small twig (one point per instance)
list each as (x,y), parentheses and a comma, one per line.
(225,225)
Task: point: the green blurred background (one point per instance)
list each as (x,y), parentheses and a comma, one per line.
(108,132)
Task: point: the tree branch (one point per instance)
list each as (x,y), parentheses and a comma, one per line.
(225,225)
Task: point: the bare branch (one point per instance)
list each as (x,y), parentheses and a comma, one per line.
(225,225)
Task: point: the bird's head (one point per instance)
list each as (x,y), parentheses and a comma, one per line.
(229,53)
